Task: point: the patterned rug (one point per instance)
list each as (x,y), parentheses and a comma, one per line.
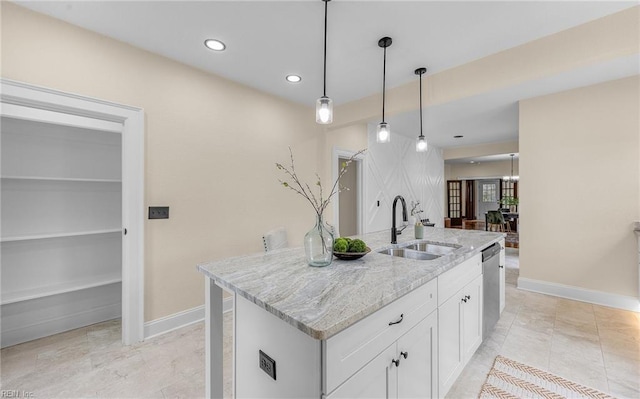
(513,380)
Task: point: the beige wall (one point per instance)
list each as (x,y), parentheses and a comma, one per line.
(480,150)
(600,40)
(350,138)
(580,187)
(210,144)
(454,171)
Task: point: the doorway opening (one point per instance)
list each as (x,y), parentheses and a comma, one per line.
(347,207)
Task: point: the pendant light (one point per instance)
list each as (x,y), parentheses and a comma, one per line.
(383,134)
(511,178)
(324,105)
(421,143)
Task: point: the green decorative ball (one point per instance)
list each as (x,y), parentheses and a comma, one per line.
(340,245)
(357,246)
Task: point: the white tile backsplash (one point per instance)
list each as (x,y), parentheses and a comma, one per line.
(396,168)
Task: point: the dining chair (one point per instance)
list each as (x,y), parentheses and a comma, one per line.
(495,219)
(275,239)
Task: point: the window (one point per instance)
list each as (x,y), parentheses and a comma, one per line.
(509,189)
(454,198)
(489,192)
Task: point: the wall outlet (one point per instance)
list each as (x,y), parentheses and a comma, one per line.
(158,212)
(267,364)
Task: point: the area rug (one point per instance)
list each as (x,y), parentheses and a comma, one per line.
(513,380)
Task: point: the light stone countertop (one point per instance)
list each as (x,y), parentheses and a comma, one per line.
(322,301)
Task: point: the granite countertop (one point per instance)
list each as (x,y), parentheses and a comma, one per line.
(324,301)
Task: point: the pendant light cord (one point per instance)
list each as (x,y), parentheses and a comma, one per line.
(384,79)
(324,90)
(421,105)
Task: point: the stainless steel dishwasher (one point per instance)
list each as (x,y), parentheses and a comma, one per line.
(491,288)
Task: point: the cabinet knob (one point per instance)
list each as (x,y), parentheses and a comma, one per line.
(501,267)
(404,354)
(464,299)
(396,362)
(468,296)
(397,321)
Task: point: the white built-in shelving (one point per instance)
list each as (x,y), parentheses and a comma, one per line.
(61,227)
(61,179)
(59,235)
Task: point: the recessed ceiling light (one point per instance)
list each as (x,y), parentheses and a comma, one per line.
(472,161)
(293,78)
(214,44)
(458,137)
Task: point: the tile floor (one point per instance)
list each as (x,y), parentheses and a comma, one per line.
(588,344)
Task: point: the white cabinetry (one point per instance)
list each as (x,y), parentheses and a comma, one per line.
(61,199)
(406,369)
(503,266)
(459,319)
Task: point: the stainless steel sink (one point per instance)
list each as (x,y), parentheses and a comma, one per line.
(421,250)
(409,254)
(434,249)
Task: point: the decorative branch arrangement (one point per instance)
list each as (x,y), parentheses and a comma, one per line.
(318,202)
(416,211)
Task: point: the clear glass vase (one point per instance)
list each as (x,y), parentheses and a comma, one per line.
(318,244)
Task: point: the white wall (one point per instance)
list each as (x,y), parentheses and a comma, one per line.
(396,168)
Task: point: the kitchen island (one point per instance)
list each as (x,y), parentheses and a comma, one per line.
(335,331)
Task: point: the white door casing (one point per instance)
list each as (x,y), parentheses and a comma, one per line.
(359,165)
(67,109)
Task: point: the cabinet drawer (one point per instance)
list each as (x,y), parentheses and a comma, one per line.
(452,281)
(349,350)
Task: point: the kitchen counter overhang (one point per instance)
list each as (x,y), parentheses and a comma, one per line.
(321,302)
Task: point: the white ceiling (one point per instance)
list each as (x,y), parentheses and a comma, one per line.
(266,40)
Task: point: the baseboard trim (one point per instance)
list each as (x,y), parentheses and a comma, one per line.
(580,294)
(61,324)
(178,320)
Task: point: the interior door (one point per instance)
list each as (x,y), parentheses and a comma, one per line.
(488,195)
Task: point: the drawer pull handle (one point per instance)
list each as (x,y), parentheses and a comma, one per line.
(397,321)
(501,267)
(404,354)
(396,362)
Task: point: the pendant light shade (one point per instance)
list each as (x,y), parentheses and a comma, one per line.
(383,134)
(324,110)
(421,142)
(324,105)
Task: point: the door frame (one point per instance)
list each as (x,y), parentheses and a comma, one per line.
(359,162)
(132,120)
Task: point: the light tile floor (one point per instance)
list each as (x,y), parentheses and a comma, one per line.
(591,345)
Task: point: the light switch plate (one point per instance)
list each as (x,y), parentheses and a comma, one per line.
(158,212)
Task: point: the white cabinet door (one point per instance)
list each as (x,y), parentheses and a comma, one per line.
(418,371)
(376,380)
(502,288)
(450,342)
(472,318)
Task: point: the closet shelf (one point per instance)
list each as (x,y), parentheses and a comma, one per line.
(62,288)
(59,235)
(69,179)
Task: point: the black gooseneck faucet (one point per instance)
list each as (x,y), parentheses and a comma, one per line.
(394,231)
